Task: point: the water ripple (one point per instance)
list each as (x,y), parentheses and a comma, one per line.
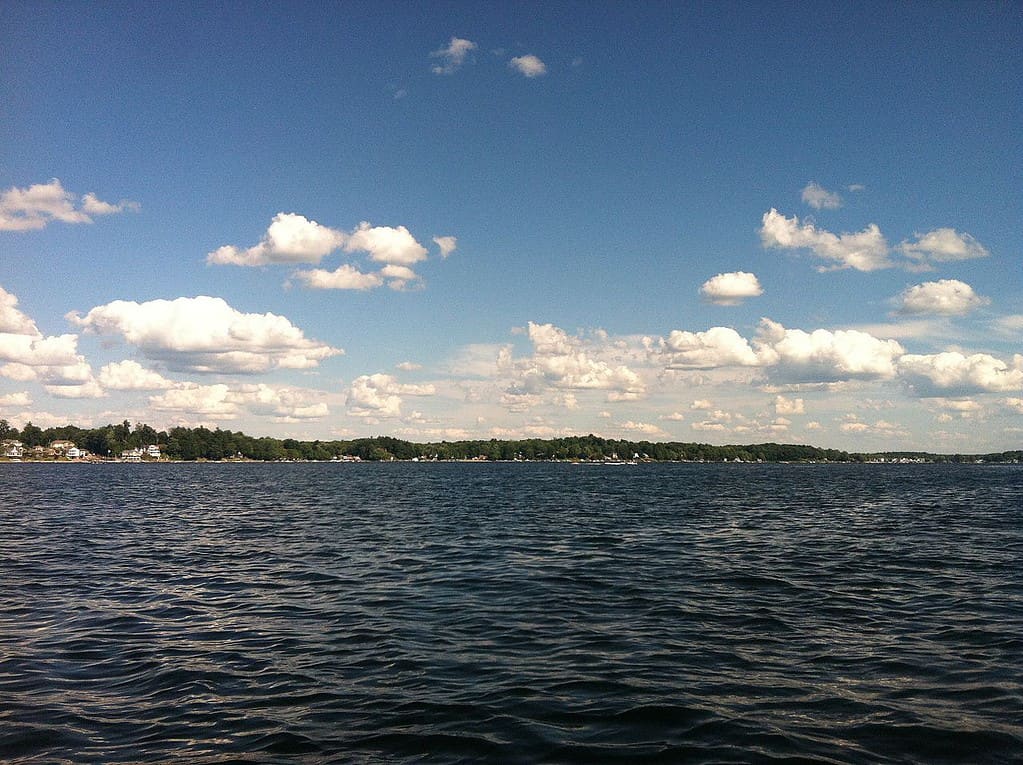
(511,613)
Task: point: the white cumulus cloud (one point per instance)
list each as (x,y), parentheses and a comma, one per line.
(26,355)
(823,355)
(290,238)
(12,320)
(881,428)
(32,208)
(953,373)
(85,389)
(865,250)
(943,245)
(212,401)
(224,402)
(283,404)
(946,297)
(528,65)
(644,428)
(789,355)
(130,375)
(15,399)
(386,244)
(788,406)
(31,350)
(400,276)
(549,340)
(731,288)
(379,395)
(205,334)
(717,347)
(563,361)
(50,360)
(344,277)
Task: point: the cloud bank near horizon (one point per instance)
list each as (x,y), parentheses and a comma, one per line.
(562,373)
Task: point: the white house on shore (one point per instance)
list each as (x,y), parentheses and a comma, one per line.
(151,452)
(12,450)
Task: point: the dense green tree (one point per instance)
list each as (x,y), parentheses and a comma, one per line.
(267,449)
(143,435)
(113,445)
(122,432)
(32,435)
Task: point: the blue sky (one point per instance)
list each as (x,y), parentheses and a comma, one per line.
(712,222)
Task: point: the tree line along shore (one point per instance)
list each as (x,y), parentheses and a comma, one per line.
(144,443)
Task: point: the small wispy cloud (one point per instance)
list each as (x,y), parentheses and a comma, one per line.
(447,244)
(1011,325)
(819,198)
(453,56)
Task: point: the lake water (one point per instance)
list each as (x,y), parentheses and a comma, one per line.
(511,613)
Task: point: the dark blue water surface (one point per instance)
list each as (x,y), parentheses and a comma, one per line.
(511,613)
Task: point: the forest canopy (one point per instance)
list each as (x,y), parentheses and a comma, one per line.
(202,443)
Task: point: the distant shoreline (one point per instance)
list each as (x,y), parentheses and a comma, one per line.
(937,459)
(142,443)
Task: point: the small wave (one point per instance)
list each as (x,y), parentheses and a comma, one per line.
(511,613)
